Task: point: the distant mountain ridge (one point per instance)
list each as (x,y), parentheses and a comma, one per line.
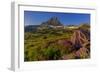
(30,28)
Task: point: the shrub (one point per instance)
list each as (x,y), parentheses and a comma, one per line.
(51,53)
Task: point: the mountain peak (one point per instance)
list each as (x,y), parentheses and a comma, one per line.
(54,21)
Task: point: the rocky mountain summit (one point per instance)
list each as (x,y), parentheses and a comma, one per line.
(54,21)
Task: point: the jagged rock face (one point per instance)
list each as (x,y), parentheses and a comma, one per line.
(82,52)
(81,45)
(52,22)
(79,38)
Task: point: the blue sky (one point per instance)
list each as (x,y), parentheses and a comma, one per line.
(36,18)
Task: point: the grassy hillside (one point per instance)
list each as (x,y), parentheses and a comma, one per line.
(53,44)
